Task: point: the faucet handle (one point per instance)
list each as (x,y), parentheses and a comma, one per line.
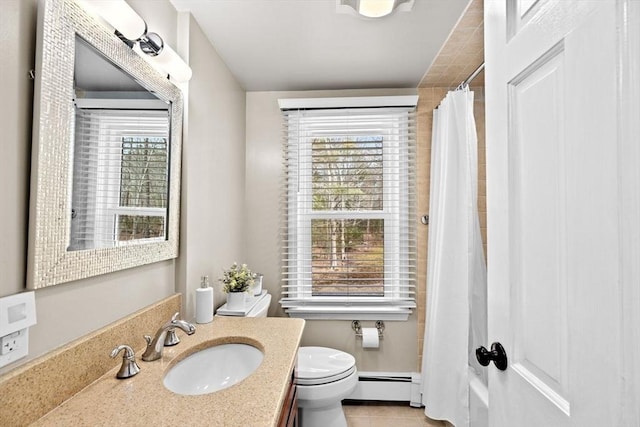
(171,338)
(129,366)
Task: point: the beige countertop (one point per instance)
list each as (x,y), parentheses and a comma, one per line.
(143,399)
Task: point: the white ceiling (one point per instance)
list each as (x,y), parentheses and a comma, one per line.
(307,45)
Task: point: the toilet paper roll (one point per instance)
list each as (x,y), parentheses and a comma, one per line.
(370,338)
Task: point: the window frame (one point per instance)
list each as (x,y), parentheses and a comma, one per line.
(398,300)
(116,210)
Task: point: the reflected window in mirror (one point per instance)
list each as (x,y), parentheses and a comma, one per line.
(120,173)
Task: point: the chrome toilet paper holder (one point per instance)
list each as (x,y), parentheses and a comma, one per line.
(355,325)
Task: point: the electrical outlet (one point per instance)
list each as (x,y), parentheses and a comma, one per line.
(10,343)
(14,346)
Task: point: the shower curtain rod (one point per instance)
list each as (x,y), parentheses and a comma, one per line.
(471,76)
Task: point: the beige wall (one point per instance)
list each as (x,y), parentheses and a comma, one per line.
(213,238)
(398,351)
(17,41)
(212,172)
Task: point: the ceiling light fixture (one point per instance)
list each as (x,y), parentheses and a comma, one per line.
(132,30)
(375,8)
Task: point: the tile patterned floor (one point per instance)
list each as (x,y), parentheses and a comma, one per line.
(386,414)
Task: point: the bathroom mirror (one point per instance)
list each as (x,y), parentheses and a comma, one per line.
(120,156)
(105,177)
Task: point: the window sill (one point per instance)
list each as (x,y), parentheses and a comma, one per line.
(349,313)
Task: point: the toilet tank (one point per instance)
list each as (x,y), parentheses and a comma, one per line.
(261,308)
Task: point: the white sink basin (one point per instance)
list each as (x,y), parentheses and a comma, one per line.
(213,369)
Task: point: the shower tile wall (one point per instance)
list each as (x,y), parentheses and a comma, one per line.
(462,53)
(478,113)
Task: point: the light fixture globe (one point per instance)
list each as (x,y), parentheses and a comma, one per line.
(375,8)
(119,15)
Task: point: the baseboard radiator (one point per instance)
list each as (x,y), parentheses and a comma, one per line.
(388,386)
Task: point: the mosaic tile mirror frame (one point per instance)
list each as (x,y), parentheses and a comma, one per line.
(52,259)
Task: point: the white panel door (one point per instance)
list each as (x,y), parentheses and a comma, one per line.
(553,243)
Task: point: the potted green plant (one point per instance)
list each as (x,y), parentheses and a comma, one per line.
(236,282)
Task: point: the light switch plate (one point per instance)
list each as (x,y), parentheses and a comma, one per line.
(17,312)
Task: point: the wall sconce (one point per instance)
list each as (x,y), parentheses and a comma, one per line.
(132,30)
(376,8)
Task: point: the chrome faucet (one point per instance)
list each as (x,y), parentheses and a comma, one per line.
(129,366)
(155,345)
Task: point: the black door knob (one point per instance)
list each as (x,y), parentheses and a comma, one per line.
(497,354)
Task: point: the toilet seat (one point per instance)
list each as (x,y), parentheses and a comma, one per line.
(321,365)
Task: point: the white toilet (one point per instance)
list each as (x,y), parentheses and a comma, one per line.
(324,376)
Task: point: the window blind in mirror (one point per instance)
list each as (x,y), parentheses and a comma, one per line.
(120,177)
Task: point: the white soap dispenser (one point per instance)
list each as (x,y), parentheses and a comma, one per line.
(204,301)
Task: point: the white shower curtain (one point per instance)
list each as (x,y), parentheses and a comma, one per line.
(456,269)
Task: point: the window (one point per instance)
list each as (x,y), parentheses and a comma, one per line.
(348,239)
(141,212)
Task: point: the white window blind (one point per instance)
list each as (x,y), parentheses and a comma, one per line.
(348,235)
(120,191)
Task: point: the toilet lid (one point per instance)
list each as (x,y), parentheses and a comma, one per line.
(321,365)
